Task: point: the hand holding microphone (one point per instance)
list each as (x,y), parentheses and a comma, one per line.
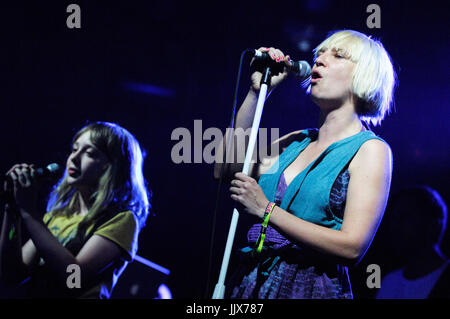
(282,65)
(21,181)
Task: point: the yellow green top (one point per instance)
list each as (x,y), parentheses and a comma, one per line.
(122,229)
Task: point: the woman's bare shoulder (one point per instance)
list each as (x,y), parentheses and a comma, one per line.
(372,154)
(287,139)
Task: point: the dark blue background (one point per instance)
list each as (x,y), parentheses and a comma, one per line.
(54,79)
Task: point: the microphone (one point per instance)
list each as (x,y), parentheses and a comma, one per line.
(40,173)
(48,172)
(301,69)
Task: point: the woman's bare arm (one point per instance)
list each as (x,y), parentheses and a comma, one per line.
(244,119)
(367,194)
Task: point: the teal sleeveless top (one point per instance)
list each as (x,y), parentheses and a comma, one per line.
(308,195)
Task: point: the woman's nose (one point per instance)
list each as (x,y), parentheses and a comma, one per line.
(320,60)
(74,157)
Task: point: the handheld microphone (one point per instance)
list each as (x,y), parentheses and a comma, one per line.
(41,172)
(47,172)
(301,69)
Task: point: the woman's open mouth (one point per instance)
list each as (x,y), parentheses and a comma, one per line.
(73,172)
(315,76)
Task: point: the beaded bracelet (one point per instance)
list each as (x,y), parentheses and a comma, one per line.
(267,213)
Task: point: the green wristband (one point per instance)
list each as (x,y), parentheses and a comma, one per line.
(265,223)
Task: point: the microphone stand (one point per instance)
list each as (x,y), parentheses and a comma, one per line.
(219,290)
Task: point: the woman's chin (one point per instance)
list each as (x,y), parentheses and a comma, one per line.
(319,99)
(72,181)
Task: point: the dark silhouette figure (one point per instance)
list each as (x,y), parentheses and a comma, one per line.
(417,219)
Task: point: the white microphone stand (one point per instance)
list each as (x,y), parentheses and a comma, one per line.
(219,290)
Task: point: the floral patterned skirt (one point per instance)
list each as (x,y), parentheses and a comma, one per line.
(288,273)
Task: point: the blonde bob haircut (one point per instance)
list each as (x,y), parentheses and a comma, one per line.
(374,76)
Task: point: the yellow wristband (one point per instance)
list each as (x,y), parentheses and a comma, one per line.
(265,223)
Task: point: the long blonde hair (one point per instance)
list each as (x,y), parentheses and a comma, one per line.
(121,187)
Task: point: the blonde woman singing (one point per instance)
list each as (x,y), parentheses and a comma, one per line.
(319,203)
